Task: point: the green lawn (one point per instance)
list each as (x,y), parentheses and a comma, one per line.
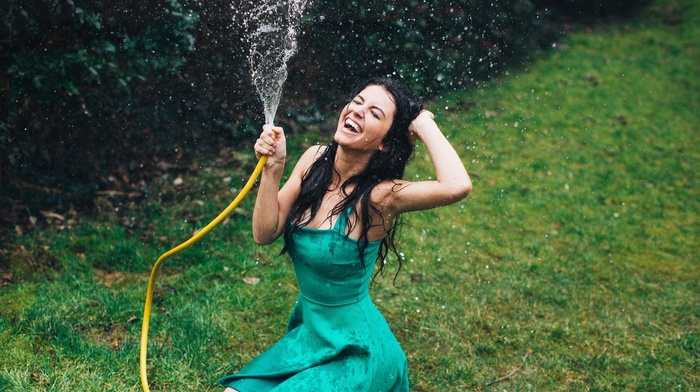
(574,261)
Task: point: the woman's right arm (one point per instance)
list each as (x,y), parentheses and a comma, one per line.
(273,204)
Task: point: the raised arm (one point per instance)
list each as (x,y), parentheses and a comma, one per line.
(452,183)
(267,214)
(273,204)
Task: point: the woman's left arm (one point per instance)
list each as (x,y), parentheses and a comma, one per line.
(452,183)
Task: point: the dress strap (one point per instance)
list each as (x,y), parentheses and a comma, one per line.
(342,221)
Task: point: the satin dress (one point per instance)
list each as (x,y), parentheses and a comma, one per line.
(336,338)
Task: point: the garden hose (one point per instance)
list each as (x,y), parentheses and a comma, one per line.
(198,236)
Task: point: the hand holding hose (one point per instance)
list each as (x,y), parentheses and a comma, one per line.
(271,144)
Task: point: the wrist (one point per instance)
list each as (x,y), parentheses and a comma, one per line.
(424,131)
(274,165)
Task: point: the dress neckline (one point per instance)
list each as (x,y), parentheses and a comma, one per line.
(338,227)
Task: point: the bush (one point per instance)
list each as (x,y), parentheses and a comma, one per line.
(589,9)
(103,92)
(433,46)
(85,90)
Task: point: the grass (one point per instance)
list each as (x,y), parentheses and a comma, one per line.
(577,249)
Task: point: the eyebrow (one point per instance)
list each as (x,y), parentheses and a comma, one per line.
(373,107)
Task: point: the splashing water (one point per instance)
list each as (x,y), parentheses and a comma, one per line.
(273,41)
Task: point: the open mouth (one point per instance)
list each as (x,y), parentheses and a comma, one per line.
(352,126)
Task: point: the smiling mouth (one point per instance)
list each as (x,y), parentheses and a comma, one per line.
(352,126)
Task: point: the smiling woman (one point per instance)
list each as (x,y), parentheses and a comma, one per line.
(370,115)
(338,213)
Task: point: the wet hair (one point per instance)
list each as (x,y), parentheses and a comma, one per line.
(387,163)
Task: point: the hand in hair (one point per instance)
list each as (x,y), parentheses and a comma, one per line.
(420,124)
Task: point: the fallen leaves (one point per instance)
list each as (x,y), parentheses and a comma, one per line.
(51,214)
(6,280)
(115,344)
(251,280)
(109,278)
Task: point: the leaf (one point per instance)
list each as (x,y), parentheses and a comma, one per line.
(50,214)
(110,193)
(109,47)
(251,280)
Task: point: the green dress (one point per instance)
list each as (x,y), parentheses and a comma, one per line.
(336,338)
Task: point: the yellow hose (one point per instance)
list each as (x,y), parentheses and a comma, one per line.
(198,236)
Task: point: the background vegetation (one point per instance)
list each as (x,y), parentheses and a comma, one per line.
(103,96)
(574,262)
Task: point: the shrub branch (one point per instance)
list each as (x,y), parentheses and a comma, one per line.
(509,375)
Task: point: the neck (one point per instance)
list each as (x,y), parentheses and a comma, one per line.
(350,163)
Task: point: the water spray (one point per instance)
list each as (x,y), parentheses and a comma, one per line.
(273,30)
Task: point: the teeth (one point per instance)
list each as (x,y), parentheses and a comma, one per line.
(353,125)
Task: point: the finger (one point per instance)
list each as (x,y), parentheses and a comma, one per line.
(264,148)
(267,128)
(264,152)
(278,130)
(267,131)
(268,139)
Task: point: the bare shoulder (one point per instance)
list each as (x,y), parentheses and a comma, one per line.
(312,153)
(308,158)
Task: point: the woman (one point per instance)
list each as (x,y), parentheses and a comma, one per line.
(338,214)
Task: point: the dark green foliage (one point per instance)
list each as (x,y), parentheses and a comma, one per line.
(102,96)
(593,8)
(84,90)
(434,46)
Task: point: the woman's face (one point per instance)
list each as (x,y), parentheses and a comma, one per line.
(365,121)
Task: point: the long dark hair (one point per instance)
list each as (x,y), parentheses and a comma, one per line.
(387,163)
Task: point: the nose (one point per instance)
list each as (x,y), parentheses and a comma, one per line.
(356,109)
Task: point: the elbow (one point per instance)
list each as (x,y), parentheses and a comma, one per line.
(265,236)
(463,190)
(455,192)
(261,240)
